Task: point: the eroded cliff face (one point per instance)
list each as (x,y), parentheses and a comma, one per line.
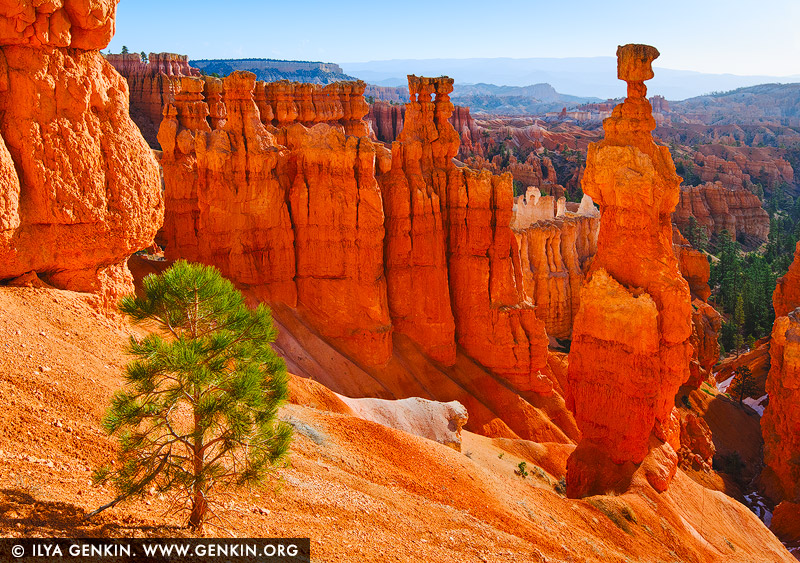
(296,219)
(716,208)
(392,274)
(630,350)
(437,212)
(556,247)
(152,85)
(81,188)
(786,297)
(780,424)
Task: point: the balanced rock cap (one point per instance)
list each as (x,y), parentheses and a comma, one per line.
(634,62)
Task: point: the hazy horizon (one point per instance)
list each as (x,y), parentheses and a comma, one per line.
(710,37)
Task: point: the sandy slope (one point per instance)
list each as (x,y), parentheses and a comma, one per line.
(361,491)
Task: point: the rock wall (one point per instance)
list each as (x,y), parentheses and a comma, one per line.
(436,214)
(152,85)
(716,208)
(556,247)
(386,121)
(630,350)
(295,215)
(786,297)
(780,424)
(81,189)
(340,103)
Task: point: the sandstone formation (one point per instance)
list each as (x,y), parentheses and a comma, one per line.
(739,166)
(780,424)
(440,422)
(340,103)
(413,289)
(81,190)
(786,297)
(386,120)
(152,85)
(716,208)
(556,248)
(78,24)
(304,221)
(630,350)
(437,213)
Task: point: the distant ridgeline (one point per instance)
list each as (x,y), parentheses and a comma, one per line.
(270,70)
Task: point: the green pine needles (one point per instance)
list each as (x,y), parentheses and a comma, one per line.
(199,412)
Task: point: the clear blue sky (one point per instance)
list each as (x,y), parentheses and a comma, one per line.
(718,36)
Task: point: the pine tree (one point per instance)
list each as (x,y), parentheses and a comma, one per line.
(743,384)
(200,409)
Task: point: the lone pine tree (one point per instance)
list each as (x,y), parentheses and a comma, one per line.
(200,409)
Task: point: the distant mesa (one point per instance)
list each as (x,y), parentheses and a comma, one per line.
(271,70)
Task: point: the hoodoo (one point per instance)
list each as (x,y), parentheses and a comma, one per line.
(81,189)
(780,424)
(630,350)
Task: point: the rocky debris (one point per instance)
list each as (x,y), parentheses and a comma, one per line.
(631,337)
(440,422)
(697,445)
(81,189)
(717,208)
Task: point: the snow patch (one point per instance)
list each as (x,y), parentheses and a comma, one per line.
(758,505)
(722,386)
(756,404)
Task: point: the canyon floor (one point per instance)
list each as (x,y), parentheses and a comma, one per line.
(360,491)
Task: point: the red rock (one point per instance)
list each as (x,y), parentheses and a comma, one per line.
(81,188)
(786,521)
(696,446)
(716,208)
(386,120)
(80,24)
(152,85)
(786,297)
(780,424)
(339,103)
(492,322)
(630,349)
(304,222)
(555,253)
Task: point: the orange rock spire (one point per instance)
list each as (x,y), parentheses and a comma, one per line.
(630,350)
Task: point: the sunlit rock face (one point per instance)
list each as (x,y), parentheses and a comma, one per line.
(81,189)
(630,350)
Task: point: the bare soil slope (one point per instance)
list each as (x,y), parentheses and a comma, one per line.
(361,491)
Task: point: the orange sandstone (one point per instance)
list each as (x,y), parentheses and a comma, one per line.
(630,350)
(81,188)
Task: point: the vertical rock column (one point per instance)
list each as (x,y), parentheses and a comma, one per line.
(780,424)
(451,259)
(630,350)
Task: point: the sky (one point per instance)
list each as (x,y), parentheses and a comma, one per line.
(713,36)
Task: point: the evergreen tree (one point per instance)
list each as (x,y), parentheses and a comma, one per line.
(124,49)
(743,384)
(200,409)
